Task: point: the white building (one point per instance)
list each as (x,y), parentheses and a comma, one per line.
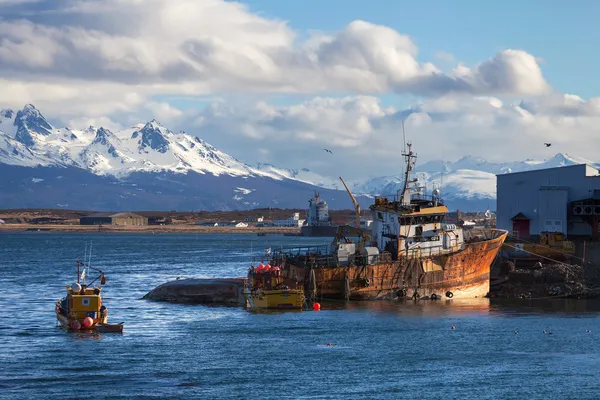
(241,225)
(293,221)
(364,223)
(254,219)
(564,199)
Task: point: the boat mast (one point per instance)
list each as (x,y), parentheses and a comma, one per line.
(409,157)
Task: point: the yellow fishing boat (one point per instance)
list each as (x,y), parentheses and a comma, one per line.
(82,308)
(266,289)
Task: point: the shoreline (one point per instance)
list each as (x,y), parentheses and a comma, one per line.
(147,229)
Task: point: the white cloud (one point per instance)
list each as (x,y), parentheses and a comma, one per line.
(366,138)
(104,122)
(87,64)
(163,111)
(199,47)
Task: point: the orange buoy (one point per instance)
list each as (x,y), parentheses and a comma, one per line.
(75,325)
(316,306)
(87,322)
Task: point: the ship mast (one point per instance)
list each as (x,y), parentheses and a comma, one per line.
(409,157)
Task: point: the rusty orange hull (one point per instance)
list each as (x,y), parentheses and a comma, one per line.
(462,274)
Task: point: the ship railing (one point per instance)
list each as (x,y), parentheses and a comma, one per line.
(321,256)
(391,198)
(423,251)
(482,234)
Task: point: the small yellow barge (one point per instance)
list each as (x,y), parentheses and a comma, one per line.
(266,289)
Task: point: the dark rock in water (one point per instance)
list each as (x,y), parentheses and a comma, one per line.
(225,291)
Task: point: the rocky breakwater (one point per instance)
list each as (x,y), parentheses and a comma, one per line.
(547,281)
(224,291)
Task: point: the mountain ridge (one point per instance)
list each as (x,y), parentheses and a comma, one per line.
(146,153)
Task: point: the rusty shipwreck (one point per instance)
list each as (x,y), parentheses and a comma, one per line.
(412,253)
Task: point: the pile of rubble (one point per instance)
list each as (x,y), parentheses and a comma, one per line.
(549,280)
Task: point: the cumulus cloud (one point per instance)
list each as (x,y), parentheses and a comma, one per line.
(199,47)
(366,137)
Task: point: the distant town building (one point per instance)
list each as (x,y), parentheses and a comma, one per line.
(241,225)
(204,223)
(2,222)
(254,219)
(563,199)
(111,218)
(293,221)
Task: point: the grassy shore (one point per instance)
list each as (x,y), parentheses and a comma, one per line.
(149,229)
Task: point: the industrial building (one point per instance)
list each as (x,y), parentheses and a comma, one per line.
(563,199)
(111,218)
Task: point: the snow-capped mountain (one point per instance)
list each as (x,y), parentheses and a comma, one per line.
(468,183)
(148,157)
(147,166)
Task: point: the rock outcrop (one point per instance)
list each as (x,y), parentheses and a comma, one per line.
(225,291)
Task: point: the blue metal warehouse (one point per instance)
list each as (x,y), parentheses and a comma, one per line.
(563,199)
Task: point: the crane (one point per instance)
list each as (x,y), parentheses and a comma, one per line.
(356,205)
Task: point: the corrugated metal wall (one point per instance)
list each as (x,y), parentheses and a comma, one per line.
(522,192)
(552,210)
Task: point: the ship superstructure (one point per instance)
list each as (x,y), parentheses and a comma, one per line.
(318,222)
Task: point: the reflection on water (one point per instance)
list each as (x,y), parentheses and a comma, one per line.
(415,308)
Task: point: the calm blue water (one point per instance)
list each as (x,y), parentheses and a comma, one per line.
(382,349)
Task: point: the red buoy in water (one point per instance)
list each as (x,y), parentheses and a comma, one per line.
(87,322)
(316,306)
(75,325)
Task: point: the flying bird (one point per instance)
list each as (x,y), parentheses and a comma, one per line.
(329,151)
(547,144)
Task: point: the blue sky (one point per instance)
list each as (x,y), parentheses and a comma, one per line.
(563,34)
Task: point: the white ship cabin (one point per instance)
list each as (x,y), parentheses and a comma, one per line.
(415,229)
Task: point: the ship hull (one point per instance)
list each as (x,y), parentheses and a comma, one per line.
(276,299)
(462,274)
(318,231)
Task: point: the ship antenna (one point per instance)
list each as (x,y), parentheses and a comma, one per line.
(442,177)
(409,156)
(403,136)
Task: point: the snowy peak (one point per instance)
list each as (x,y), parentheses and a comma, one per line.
(469,178)
(33,120)
(28,123)
(152,135)
(103,136)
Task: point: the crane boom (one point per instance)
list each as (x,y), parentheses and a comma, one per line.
(356,205)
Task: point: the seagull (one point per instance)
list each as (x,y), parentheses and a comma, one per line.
(547,144)
(329,151)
